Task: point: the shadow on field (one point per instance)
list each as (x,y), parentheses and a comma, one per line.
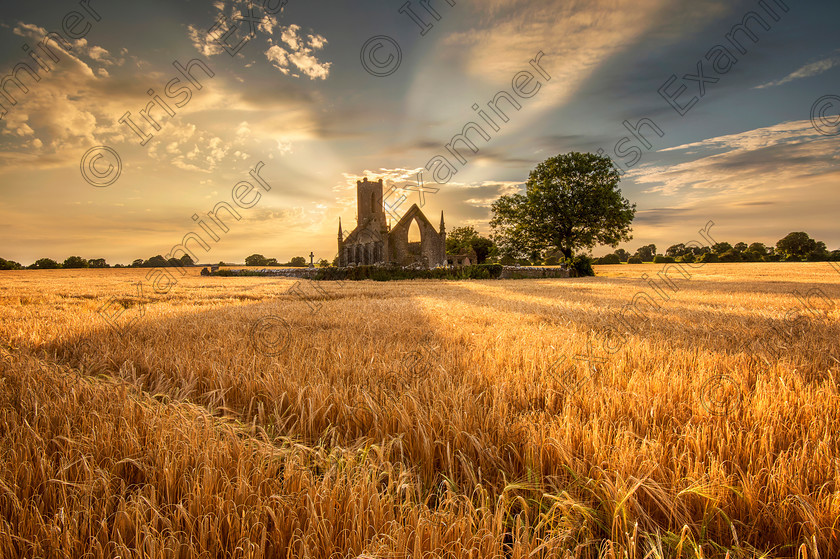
(336,361)
(359,367)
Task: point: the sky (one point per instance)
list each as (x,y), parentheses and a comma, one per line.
(713,111)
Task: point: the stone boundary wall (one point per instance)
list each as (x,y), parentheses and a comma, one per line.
(508,272)
(286,272)
(512,272)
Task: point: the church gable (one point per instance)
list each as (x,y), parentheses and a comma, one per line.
(412,213)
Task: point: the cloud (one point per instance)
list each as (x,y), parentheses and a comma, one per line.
(100,55)
(299,52)
(576,37)
(60,111)
(234,17)
(79,48)
(279,58)
(289,35)
(807,71)
(191,149)
(316,41)
(203,42)
(288,52)
(788,155)
(267,24)
(666,216)
(77,103)
(397,176)
(484,193)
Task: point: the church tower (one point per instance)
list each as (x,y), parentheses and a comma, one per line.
(369,201)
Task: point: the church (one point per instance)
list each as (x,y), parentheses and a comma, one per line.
(373,241)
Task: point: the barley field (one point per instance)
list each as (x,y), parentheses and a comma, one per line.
(259,417)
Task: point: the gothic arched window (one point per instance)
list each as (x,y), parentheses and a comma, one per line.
(414,235)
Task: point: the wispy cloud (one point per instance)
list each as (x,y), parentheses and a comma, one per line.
(780,157)
(576,37)
(807,71)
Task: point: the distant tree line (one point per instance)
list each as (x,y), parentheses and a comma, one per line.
(79,262)
(797,246)
(161,262)
(794,247)
(157,261)
(50,264)
(295,262)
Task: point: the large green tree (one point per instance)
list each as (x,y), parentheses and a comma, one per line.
(571,202)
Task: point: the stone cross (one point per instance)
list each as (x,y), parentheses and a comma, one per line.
(311,262)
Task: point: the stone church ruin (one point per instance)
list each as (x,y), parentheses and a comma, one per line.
(373,241)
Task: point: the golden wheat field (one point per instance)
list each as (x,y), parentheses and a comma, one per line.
(234,417)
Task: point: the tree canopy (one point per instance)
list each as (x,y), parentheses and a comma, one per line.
(646,253)
(75,262)
(571,202)
(9,265)
(256,260)
(796,246)
(464,239)
(45,264)
(98,263)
